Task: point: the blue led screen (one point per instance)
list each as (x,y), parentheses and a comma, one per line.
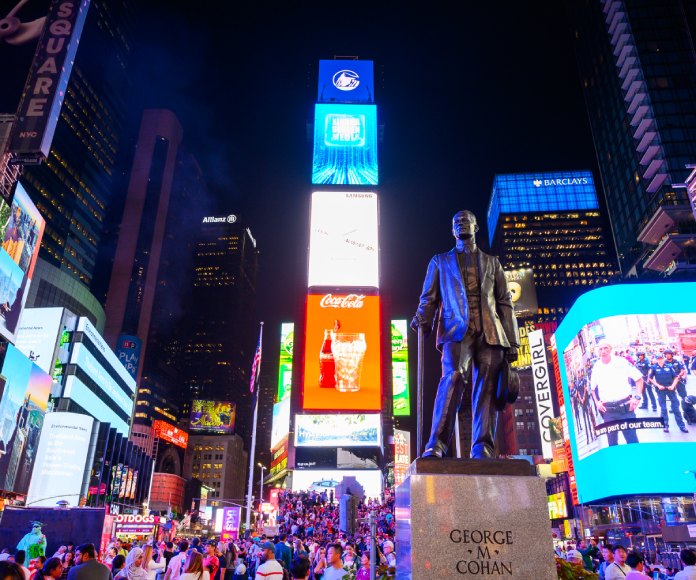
(531,192)
(345,145)
(346,81)
(630,320)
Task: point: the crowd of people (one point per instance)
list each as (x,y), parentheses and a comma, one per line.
(617,563)
(308,545)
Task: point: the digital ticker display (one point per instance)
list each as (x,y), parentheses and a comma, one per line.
(212,416)
(345,145)
(611,351)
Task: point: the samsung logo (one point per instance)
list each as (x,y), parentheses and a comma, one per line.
(564,181)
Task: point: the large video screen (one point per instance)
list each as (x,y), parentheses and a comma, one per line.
(342,363)
(287,341)
(338,430)
(21,229)
(25,391)
(400,381)
(343,239)
(345,145)
(346,81)
(628,394)
(327,479)
(212,416)
(280,426)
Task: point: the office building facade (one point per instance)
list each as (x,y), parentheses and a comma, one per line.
(638,71)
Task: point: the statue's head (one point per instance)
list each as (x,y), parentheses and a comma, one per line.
(36,526)
(464,225)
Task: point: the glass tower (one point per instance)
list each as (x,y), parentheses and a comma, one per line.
(638,71)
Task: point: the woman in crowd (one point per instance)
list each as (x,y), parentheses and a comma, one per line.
(134,565)
(67,563)
(194,568)
(149,564)
(51,570)
(364,571)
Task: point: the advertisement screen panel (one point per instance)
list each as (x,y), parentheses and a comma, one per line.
(98,342)
(542,390)
(603,375)
(343,239)
(281,422)
(344,81)
(99,406)
(37,336)
(351,379)
(523,291)
(400,382)
(558,506)
(345,145)
(287,341)
(169,433)
(22,410)
(212,416)
(231,518)
(336,458)
(402,455)
(327,479)
(338,430)
(61,459)
(21,230)
(128,353)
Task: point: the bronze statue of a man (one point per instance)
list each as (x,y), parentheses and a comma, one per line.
(466,289)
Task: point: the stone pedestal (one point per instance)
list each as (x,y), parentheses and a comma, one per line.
(473,518)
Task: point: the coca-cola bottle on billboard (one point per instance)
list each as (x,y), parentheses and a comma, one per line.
(327,366)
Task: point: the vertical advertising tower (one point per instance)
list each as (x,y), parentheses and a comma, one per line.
(336,419)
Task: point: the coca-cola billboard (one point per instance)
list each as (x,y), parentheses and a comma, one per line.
(342,338)
(343,240)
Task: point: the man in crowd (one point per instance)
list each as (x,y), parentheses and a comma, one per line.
(87,567)
(688,557)
(679,369)
(635,563)
(210,560)
(270,568)
(283,553)
(643,365)
(618,569)
(608,556)
(334,569)
(177,563)
(612,391)
(665,378)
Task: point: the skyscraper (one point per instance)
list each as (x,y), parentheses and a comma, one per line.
(221,332)
(638,71)
(74,187)
(550,222)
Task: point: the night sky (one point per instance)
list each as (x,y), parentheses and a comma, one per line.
(465,90)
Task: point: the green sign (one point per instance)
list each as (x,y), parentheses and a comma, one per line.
(287,334)
(399,343)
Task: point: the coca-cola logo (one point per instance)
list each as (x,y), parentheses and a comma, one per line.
(347,301)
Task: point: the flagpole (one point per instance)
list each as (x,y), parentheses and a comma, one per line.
(252,452)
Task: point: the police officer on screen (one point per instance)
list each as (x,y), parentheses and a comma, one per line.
(643,365)
(679,368)
(665,379)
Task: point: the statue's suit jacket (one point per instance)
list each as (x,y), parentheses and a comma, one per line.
(444,296)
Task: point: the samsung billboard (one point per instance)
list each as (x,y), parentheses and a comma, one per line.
(343,239)
(345,145)
(625,391)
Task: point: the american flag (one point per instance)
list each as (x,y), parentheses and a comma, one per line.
(256,365)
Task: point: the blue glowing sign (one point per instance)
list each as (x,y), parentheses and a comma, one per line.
(346,81)
(345,145)
(532,192)
(630,320)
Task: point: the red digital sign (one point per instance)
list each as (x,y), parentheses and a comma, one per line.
(342,363)
(164,430)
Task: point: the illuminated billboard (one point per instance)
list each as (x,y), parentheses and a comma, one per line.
(603,376)
(231,518)
(343,239)
(61,459)
(345,145)
(349,358)
(128,352)
(402,455)
(37,336)
(280,426)
(400,382)
(22,408)
(170,433)
(338,430)
(21,230)
(558,506)
(212,416)
(523,291)
(327,479)
(287,340)
(346,81)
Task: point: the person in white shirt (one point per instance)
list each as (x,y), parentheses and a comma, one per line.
(617,570)
(635,563)
(270,569)
(150,565)
(177,563)
(612,391)
(688,557)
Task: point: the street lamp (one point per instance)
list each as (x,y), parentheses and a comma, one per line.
(263,468)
